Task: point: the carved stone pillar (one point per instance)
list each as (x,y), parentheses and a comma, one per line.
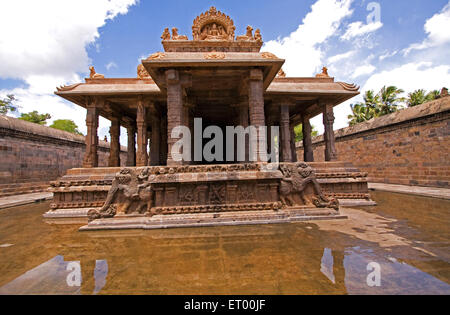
(285,130)
(142,156)
(293,146)
(243,121)
(308,153)
(256,111)
(148,146)
(155,141)
(174,111)
(91,157)
(163,141)
(131,149)
(114,148)
(328,121)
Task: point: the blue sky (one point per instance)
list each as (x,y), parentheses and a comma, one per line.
(53,42)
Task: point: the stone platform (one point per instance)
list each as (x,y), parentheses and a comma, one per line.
(86,188)
(205,195)
(211,219)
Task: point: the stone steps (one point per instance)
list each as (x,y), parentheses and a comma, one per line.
(22,188)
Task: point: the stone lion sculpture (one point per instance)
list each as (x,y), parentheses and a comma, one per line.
(299,187)
(95,75)
(130,193)
(175,35)
(248,36)
(166,34)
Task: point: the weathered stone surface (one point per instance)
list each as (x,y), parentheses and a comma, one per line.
(409,147)
(32,155)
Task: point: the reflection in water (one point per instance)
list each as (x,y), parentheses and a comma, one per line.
(271,259)
(66,277)
(326,266)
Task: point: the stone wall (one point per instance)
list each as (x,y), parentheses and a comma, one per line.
(32,155)
(409,147)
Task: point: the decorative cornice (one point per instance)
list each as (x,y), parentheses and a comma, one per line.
(215,55)
(268,55)
(65,88)
(157,56)
(349,87)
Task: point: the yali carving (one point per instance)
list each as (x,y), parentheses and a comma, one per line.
(299,187)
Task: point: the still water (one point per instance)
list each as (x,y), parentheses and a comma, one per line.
(406,237)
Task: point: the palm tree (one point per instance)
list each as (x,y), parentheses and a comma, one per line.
(421,96)
(390,99)
(433,95)
(366,110)
(416,98)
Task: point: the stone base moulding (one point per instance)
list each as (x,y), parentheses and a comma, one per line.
(212,219)
(203,195)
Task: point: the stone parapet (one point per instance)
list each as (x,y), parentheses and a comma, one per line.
(31,153)
(409,147)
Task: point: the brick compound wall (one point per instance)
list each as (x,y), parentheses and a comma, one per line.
(32,155)
(409,147)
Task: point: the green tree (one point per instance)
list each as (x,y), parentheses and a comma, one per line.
(416,98)
(366,110)
(421,96)
(433,95)
(7,104)
(298,130)
(390,99)
(385,102)
(66,125)
(35,117)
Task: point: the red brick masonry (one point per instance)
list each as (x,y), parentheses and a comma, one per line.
(409,147)
(32,155)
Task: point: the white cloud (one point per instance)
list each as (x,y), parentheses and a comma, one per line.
(356,29)
(44,43)
(111,65)
(301,48)
(411,76)
(50,37)
(437,29)
(387,55)
(363,70)
(340,57)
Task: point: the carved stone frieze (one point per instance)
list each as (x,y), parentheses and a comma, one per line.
(157,56)
(268,55)
(206,188)
(215,55)
(213,25)
(299,187)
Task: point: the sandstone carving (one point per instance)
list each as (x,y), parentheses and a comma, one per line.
(65,88)
(158,190)
(130,193)
(166,34)
(248,36)
(324,73)
(215,55)
(349,87)
(258,36)
(142,72)
(213,25)
(268,55)
(281,74)
(95,75)
(299,187)
(175,35)
(156,56)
